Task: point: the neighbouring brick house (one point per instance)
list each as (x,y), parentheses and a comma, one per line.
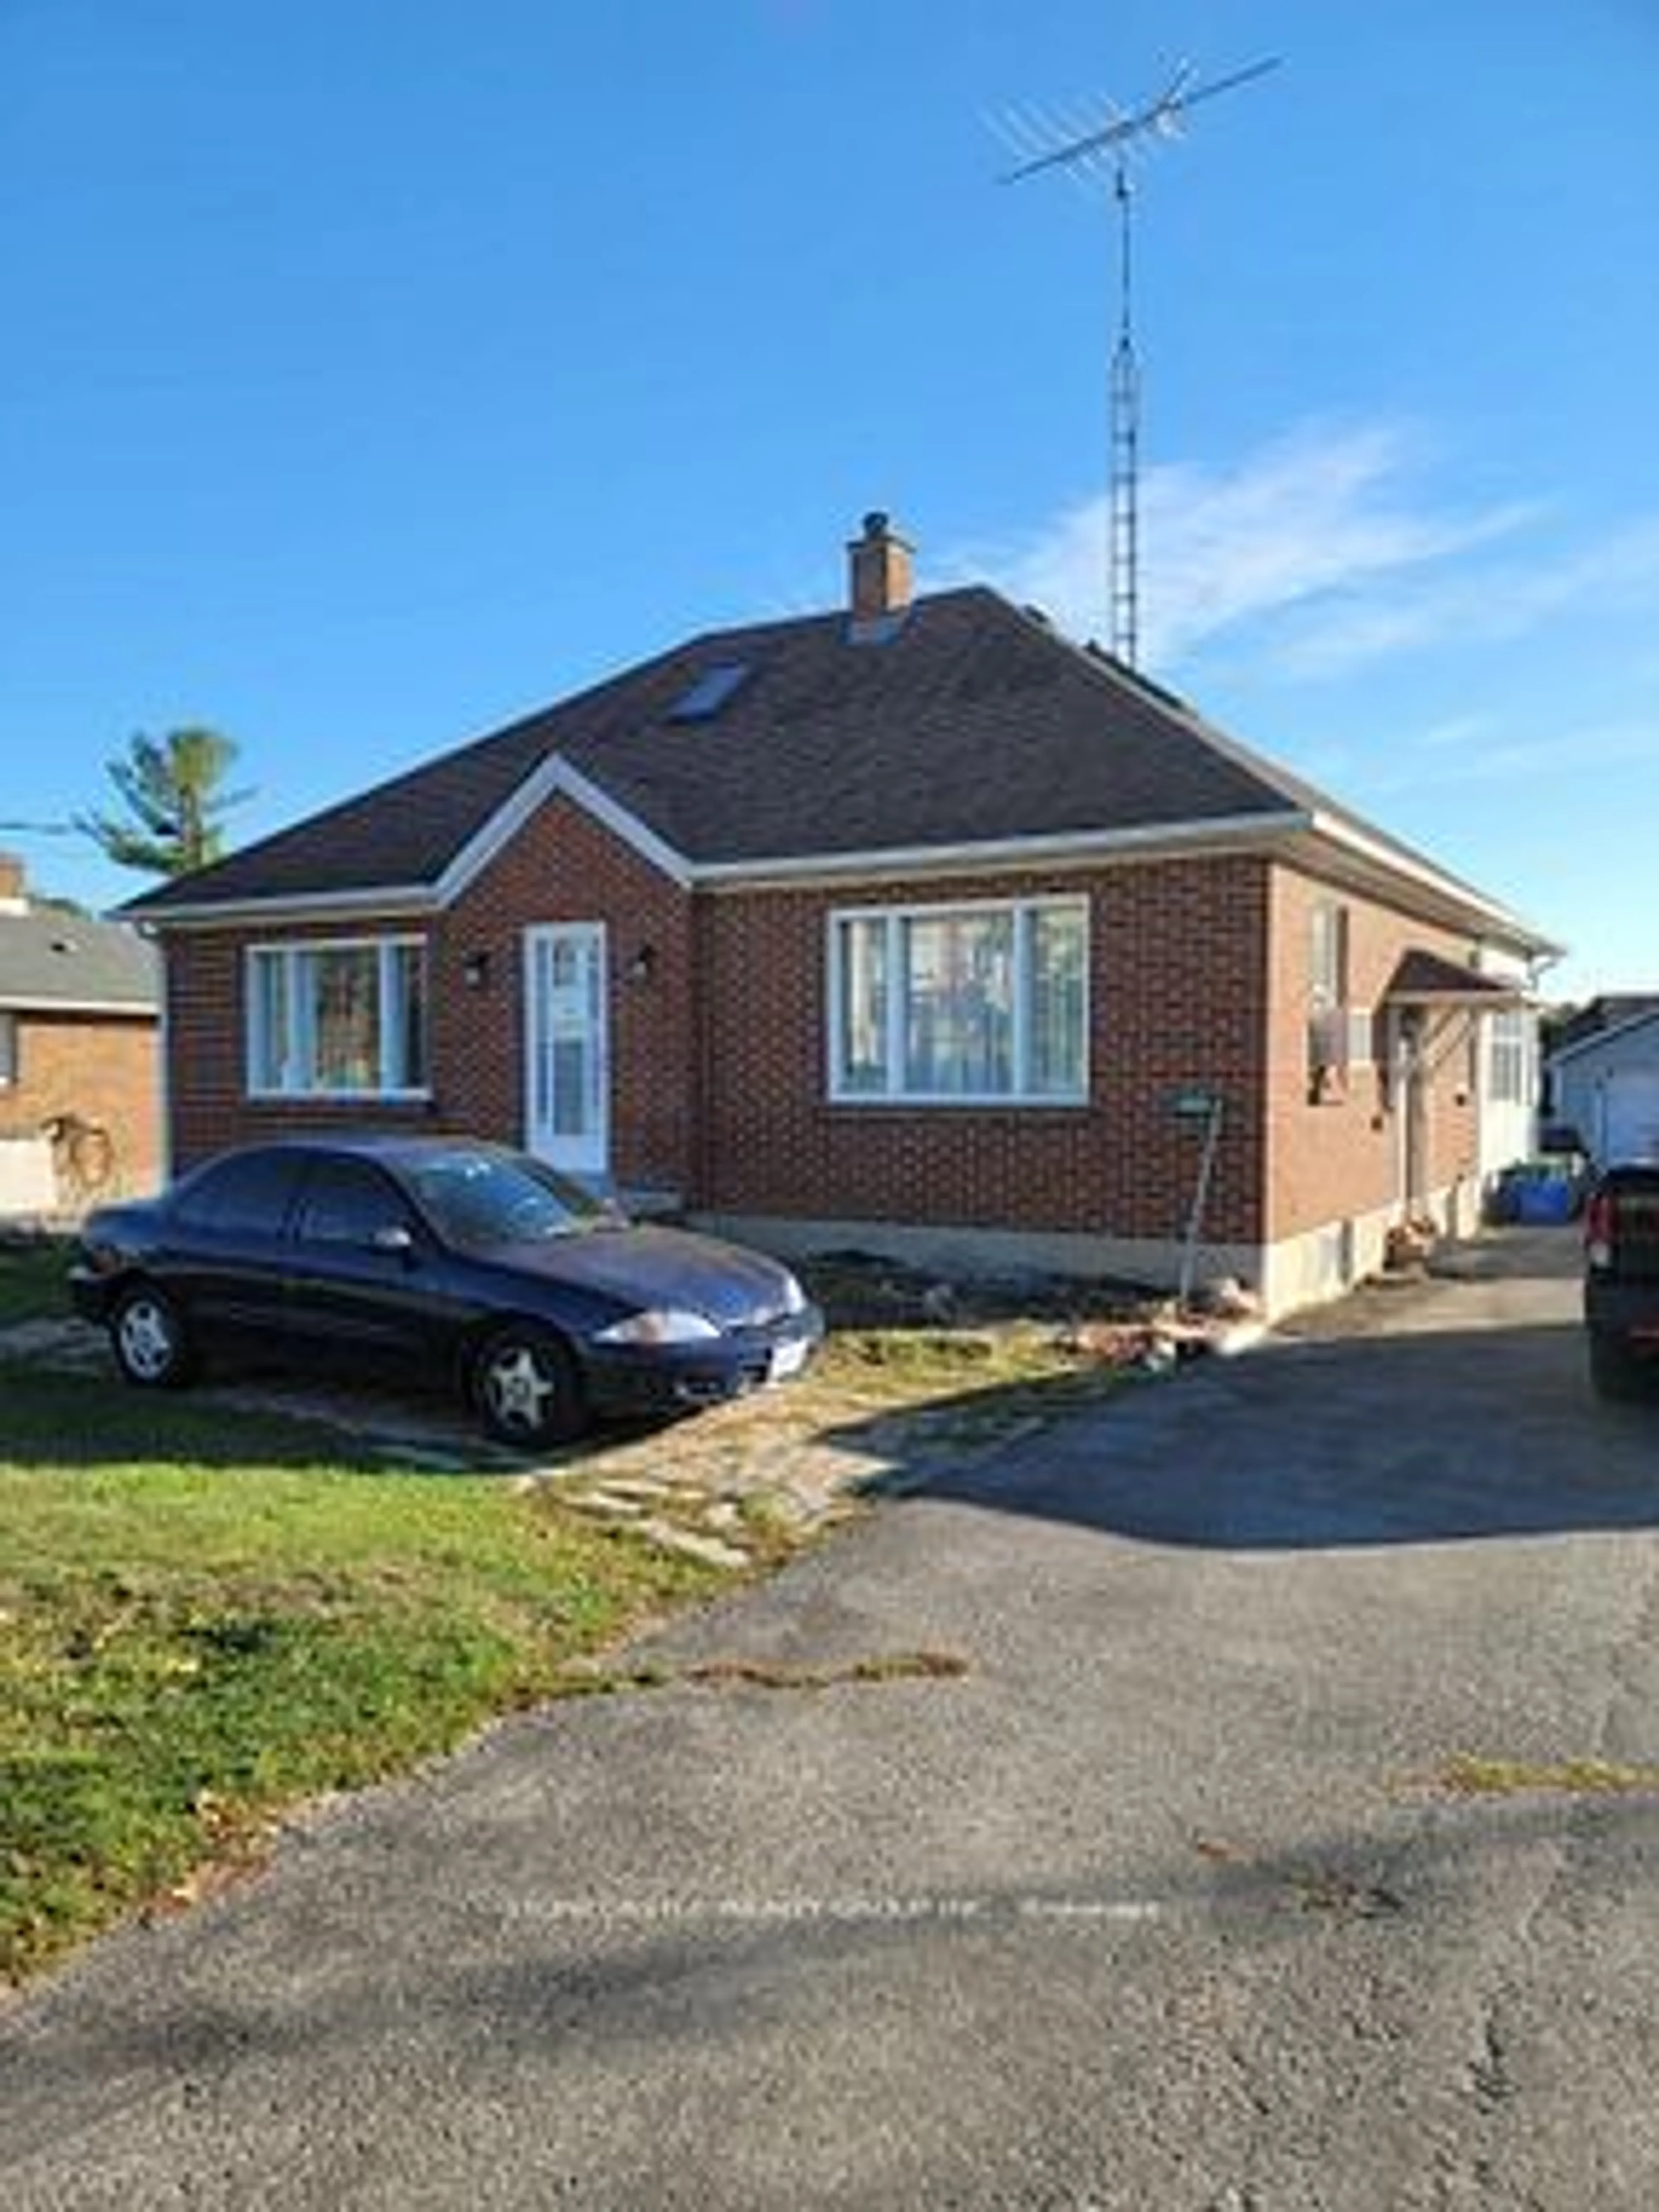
(912,927)
(80,1054)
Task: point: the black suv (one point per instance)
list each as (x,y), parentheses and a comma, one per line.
(1621,1279)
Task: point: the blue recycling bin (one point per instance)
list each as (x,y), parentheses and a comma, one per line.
(1543,1194)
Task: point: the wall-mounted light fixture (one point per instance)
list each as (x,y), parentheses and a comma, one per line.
(475,971)
(643,966)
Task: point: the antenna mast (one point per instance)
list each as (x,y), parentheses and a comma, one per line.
(1123,543)
(1108,145)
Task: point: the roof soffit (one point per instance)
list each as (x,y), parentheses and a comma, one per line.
(1346,854)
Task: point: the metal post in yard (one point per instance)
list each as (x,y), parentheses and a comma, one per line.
(1192,1106)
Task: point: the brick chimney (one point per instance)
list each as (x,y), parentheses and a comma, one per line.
(13,899)
(879,577)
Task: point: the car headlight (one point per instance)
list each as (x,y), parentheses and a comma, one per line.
(794,1298)
(660,1325)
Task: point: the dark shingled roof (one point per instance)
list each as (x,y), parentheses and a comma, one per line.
(968,722)
(1612,1010)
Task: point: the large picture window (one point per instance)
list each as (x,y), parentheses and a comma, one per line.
(953,1004)
(338,1020)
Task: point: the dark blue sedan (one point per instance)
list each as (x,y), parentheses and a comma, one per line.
(442,1257)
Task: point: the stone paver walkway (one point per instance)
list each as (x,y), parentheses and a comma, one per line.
(730,1484)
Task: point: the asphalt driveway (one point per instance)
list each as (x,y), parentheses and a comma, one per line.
(1251,1865)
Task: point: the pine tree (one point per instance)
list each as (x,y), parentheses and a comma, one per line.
(172,788)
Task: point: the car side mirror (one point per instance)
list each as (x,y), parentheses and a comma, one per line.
(394,1240)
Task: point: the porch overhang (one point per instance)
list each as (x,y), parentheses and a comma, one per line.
(1428,980)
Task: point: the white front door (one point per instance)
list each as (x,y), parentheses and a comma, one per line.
(568,1073)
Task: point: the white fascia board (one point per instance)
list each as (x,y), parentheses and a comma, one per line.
(1483,911)
(129,1009)
(1075,849)
(398,899)
(555,778)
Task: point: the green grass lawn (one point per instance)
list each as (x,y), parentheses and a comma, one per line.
(33,1278)
(204,1618)
(207,1615)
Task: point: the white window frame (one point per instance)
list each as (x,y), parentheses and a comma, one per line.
(300,1042)
(1512,1077)
(893,919)
(1342,1035)
(1329,932)
(9,1027)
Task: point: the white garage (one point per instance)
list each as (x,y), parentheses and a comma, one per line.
(1607,1087)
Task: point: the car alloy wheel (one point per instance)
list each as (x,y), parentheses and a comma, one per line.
(527,1388)
(149,1340)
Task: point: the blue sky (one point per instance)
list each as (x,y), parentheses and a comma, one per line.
(377,370)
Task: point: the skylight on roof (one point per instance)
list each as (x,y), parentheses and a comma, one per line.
(708,692)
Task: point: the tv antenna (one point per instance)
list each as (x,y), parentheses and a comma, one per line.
(1105,148)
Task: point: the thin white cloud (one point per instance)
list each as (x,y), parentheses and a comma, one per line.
(1310,529)
(1320,517)
(1458,735)
(1585,750)
(1488,604)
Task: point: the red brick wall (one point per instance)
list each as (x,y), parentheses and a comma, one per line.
(104,1069)
(1177,999)
(720,1079)
(205,1080)
(564,867)
(561,867)
(1341,1155)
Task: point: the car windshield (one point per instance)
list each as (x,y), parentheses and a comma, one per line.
(478,1199)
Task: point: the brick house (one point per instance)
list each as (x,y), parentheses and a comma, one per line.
(80,1054)
(911,927)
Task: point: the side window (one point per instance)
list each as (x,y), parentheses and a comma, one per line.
(1510,1078)
(1329,1026)
(348,1203)
(247,1195)
(1328,956)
